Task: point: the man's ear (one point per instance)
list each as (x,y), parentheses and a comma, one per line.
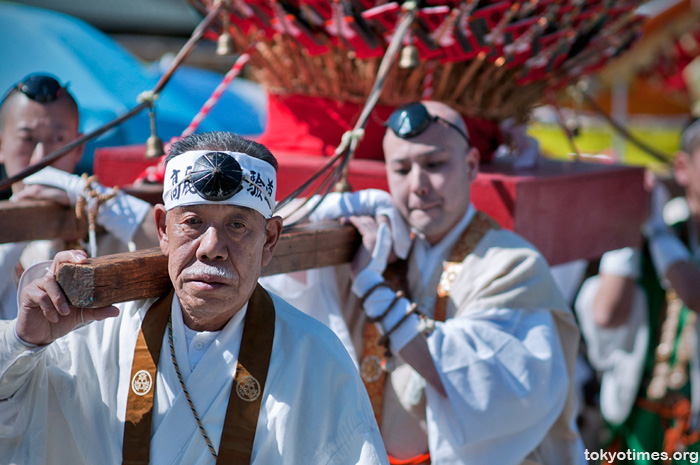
(681,168)
(273,230)
(161,226)
(473,157)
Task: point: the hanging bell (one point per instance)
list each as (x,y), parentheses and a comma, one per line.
(224,44)
(409,57)
(154,145)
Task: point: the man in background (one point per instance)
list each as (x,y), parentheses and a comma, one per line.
(466,345)
(38,116)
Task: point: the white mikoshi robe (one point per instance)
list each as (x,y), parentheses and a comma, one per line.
(65,403)
(505,356)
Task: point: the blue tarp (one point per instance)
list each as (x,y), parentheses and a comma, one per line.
(106,80)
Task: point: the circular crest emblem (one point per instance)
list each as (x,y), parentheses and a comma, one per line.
(142,383)
(371,368)
(248,388)
(447,278)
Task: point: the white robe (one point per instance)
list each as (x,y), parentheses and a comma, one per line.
(65,402)
(505,356)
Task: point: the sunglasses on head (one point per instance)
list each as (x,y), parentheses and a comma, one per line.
(413,119)
(41,88)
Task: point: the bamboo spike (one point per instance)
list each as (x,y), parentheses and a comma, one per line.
(445,73)
(468,76)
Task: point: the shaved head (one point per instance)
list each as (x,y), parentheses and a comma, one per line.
(14,96)
(447,113)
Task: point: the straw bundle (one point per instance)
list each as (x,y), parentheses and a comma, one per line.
(487,59)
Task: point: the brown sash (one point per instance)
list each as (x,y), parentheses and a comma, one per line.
(246,392)
(470,238)
(373,357)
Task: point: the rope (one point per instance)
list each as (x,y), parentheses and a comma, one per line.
(83,203)
(184,389)
(216,95)
(351,139)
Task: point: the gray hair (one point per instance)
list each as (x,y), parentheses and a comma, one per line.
(224,141)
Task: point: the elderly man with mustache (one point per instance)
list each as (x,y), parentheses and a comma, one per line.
(218,371)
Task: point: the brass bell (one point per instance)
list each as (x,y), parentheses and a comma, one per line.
(224,44)
(154,147)
(409,57)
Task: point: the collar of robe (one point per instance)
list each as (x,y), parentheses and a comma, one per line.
(246,391)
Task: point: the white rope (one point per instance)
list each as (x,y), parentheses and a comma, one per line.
(353,136)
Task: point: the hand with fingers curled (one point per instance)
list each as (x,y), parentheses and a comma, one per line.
(369,229)
(392,312)
(44,311)
(368,202)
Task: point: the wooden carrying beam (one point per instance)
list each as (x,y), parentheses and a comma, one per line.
(139,275)
(31,220)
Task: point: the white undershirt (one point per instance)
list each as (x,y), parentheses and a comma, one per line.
(197,342)
(429,256)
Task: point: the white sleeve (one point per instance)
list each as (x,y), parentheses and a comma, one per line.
(621,262)
(506,379)
(17,360)
(10,254)
(617,353)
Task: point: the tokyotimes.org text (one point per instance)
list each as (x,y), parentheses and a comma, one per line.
(611,457)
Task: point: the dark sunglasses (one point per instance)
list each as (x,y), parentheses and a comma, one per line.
(412,119)
(41,88)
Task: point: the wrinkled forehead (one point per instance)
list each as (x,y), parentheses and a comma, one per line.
(211,210)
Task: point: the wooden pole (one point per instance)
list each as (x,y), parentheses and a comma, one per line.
(139,275)
(31,220)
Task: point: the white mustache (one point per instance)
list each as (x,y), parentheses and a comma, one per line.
(203,270)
